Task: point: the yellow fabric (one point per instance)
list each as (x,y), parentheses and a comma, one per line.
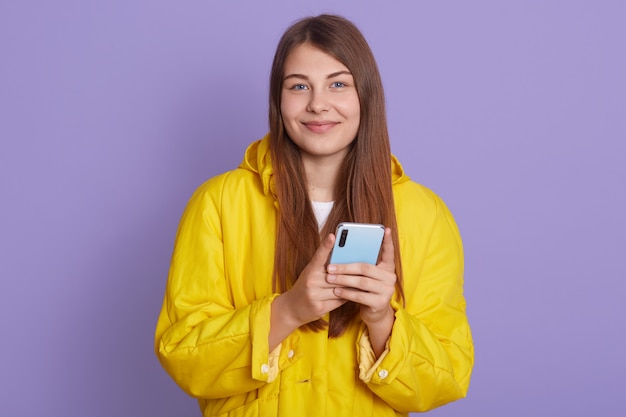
(212,333)
(368,364)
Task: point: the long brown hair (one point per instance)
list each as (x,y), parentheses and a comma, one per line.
(363,187)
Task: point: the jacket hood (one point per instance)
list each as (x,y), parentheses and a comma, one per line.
(258,160)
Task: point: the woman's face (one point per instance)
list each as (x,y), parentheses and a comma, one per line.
(319,104)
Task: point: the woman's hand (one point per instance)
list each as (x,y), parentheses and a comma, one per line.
(372,286)
(310,298)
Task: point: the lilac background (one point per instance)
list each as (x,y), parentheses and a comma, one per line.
(113,112)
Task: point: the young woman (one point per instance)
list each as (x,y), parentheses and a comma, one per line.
(255,321)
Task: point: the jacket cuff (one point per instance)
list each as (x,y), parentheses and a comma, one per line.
(384,369)
(368,364)
(273,364)
(267,365)
(264,365)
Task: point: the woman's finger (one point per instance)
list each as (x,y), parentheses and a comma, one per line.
(387,253)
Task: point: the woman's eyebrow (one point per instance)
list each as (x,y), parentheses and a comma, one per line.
(301,76)
(338,73)
(304,77)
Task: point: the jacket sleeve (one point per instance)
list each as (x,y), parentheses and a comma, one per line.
(209,347)
(429,355)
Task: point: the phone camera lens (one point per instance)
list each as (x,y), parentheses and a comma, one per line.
(342,238)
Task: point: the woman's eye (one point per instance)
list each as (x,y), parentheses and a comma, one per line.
(299,87)
(338,84)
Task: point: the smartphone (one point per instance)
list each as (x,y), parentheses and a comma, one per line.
(357,242)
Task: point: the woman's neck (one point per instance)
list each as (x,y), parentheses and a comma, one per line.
(321,176)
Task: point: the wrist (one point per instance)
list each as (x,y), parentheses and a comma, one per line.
(283,313)
(281,322)
(380,319)
(380,330)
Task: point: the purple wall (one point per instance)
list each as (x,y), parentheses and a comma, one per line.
(111,113)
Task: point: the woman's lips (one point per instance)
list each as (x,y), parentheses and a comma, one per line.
(320,127)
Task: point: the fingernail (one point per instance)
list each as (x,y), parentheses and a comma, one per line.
(332,268)
(331,278)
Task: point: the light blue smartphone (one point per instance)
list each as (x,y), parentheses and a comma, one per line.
(357,242)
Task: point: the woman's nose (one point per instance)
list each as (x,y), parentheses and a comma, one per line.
(318,102)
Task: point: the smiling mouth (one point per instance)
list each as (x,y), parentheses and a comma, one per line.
(320,127)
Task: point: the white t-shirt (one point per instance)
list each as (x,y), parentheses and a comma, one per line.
(322,210)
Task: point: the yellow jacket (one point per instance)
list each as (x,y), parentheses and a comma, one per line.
(212,333)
